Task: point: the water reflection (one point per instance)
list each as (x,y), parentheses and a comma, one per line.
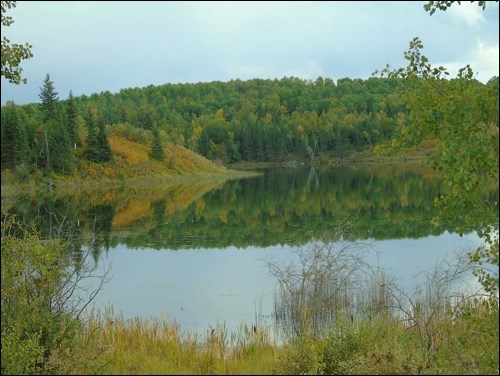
(229,232)
(283,206)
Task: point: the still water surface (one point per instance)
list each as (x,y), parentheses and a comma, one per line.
(198,254)
(201,287)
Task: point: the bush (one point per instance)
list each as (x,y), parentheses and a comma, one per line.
(40,334)
(22,172)
(302,357)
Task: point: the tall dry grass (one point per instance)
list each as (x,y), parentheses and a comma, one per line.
(158,346)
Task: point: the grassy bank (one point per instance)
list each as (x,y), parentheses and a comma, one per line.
(465,343)
(131,167)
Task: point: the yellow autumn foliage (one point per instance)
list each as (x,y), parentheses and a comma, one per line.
(131,160)
(135,210)
(223,217)
(132,152)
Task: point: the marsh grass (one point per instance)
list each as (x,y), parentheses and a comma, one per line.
(158,346)
(373,326)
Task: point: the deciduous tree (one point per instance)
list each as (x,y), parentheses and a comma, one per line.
(12,53)
(461,114)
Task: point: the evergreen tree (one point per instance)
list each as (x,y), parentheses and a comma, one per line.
(58,153)
(105,154)
(49,98)
(61,153)
(157,152)
(71,115)
(203,143)
(14,143)
(92,152)
(98,149)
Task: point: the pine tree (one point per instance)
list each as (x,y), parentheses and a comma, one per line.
(92,152)
(71,114)
(14,143)
(105,153)
(203,143)
(58,152)
(49,98)
(62,155)
(157,152)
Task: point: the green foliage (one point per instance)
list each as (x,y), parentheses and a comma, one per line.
(92,152)
(14,142)
(131,133)
(105,153)
(256,120)
(71,113)
(432,6)
(21,351)
(61,153)
(469,342)
(486,259)
(49,99)
(98,148)
(462,115)
(54,136)
(31,271)
(340,346)
(12,53)
(41,329)
(22,172)
(122,177)
(157,153)
(465,341)
(302,357)
(216,141)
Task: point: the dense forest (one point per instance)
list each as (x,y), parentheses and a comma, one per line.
(227,122)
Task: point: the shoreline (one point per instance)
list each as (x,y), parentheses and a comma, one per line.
(239,170)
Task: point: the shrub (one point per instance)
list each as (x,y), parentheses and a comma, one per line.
(41,329)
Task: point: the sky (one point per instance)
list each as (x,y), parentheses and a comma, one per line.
(91,47)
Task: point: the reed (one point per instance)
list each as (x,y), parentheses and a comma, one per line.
(158,346)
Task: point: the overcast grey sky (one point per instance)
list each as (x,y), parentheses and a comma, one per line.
(90,47)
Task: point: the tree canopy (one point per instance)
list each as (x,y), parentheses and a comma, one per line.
(12,53)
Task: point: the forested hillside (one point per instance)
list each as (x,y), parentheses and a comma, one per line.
(226,122)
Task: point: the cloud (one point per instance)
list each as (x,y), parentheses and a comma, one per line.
(90,47)
(471,14)
(483,59)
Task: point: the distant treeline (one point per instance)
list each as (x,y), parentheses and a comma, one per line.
(254,120)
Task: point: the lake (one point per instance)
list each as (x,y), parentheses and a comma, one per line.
(199,254)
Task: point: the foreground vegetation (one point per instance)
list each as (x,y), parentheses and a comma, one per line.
(45,329)
(379,347)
